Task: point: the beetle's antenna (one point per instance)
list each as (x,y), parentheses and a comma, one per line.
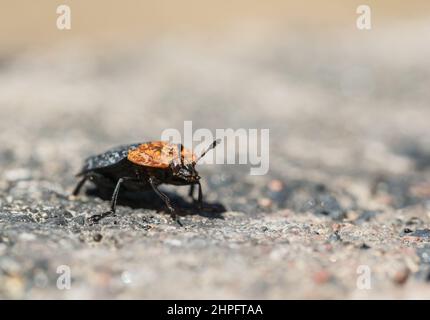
(213,145)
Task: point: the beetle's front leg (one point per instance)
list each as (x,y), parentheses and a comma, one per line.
(79,186)
(199,200)
(191,192)
(166,200)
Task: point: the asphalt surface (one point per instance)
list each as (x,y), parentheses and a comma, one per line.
(348,184)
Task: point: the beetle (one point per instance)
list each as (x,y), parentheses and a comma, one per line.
(140,167)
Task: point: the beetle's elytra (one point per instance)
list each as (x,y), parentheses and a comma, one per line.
(142,166)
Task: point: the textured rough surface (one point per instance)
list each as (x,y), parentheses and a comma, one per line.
(348,184)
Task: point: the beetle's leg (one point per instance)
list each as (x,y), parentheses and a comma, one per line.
(166,200)
(79,186)
(163,197)
(98,217)
(191,192)
(200,199)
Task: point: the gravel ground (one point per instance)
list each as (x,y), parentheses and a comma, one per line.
(348,184)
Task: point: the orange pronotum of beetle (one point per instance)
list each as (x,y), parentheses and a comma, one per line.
(158,154)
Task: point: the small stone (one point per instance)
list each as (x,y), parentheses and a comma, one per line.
(60,221)
(264,202)
(424,255)
(334,237)
(68,214)
(276,185)
(401,276)
(364,246)
(97,237)
(234,214)
(336,227)
(366,216)
(173,242)
(321,277)
(27,236)
(326,205)
(79,220)
(126,277)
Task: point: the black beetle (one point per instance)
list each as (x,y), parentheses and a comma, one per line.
(142,166)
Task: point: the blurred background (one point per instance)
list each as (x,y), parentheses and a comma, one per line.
(25,23)
(293,66)
(348,113)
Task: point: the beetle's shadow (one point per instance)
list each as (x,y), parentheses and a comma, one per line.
(150,200)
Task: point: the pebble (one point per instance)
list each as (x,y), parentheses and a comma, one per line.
(336,227)
(334,237)
(276,185)
(364,246)
(68,214)
(173,242)
(126,277)
(27,236)
(366,216)
(97,237)
(401,276)
(264,202)
(79,220)
(326,205)
(321,277)
(424,254)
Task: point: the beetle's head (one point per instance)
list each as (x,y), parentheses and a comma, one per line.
(186,172)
